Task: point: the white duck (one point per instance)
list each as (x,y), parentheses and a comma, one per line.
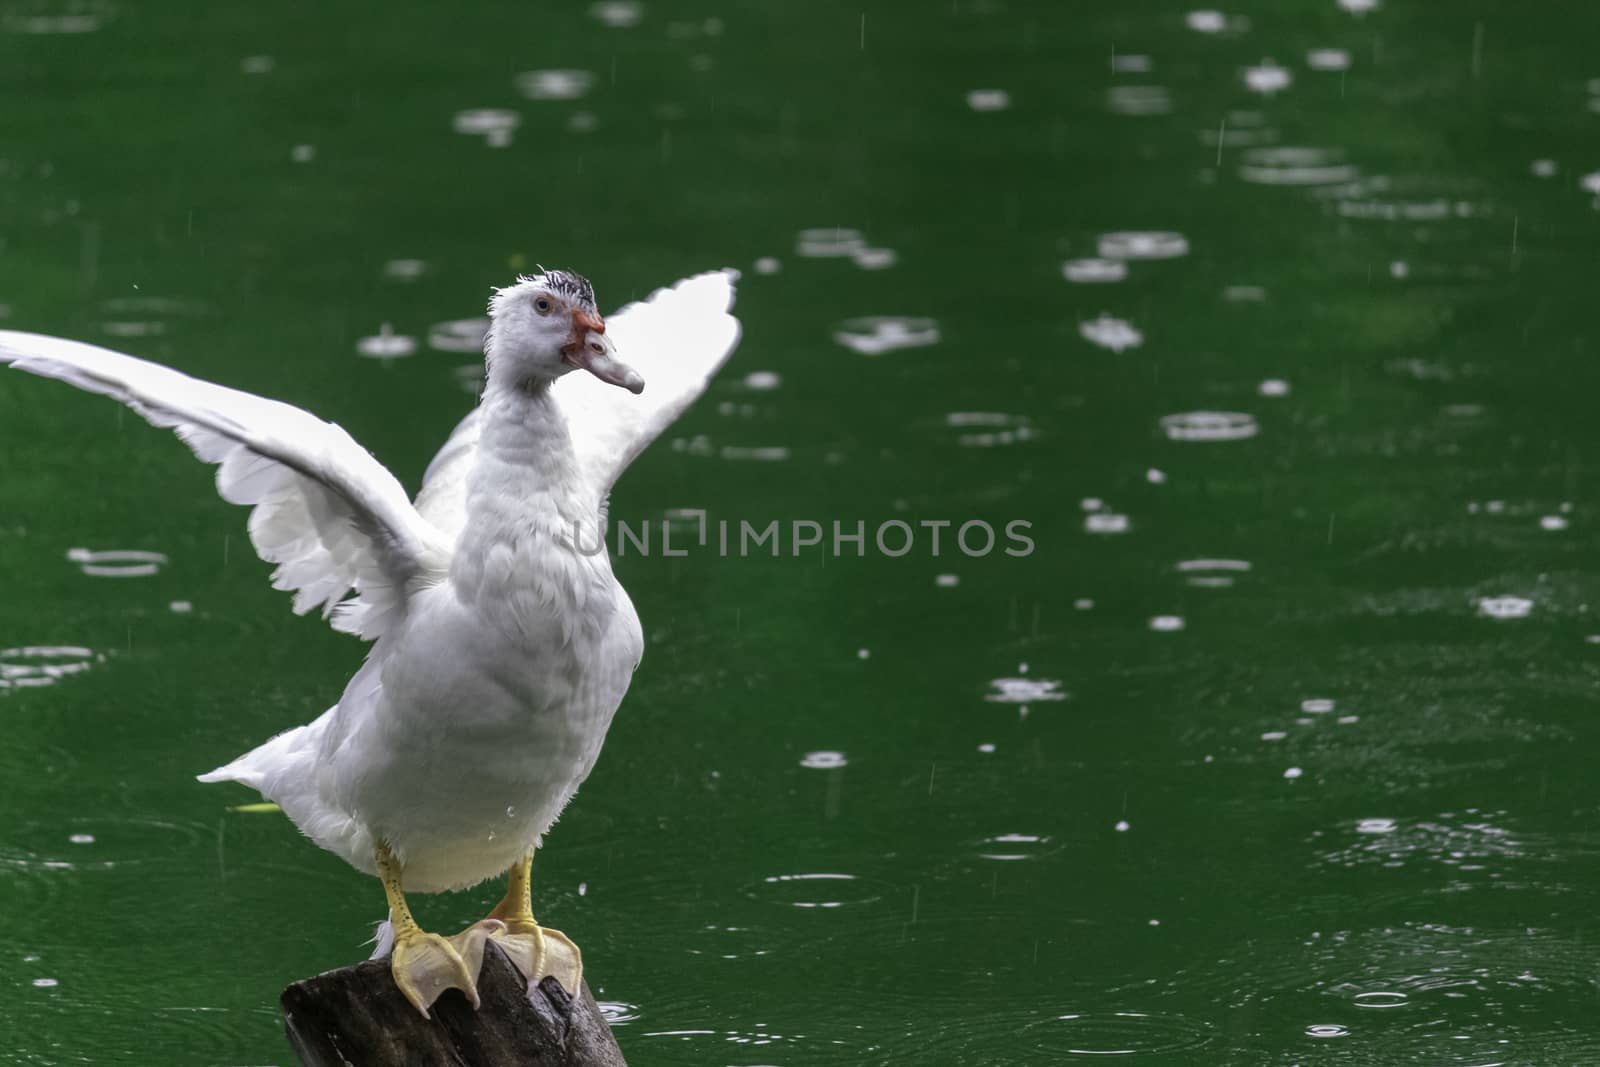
(504,644)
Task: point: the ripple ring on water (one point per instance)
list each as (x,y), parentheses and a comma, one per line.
(816,891)
(1120,1033)
(1210,426)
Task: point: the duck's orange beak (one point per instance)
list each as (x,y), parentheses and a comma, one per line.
(590,349)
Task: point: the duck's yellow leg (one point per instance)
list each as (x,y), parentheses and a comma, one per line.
(425,965)
(536,950)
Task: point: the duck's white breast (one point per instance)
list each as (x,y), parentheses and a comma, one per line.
(494,701)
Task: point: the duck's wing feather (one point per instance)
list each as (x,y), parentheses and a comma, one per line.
(677,339)
(328,514)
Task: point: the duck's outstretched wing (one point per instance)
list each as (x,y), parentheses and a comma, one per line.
(677,339)
(329,515)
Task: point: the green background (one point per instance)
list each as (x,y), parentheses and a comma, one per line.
(1423,892)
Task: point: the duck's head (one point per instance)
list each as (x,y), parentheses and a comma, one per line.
(546,325)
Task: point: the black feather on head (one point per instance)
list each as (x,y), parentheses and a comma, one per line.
(574,287)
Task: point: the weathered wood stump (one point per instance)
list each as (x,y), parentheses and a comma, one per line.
(356,1017)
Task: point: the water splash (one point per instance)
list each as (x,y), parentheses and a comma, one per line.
(405,270)
(554,84)
(618,14)
(1025,691)
(1504,607)
(1107,331)
(875,335)
(1328,59)
(386,344)
(494,124)
(1105,522)
(1143,244)
(988,99)
(1094,271)
(1267,78)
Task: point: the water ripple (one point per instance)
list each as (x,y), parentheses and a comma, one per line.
(1295,166)
(829,242)
(1470,844)
(1209,426)
(78,16)
(990,429)
(96,843)
(37,761)
(1119,1033)
(127,1027)
(117,562)
(1139,100)
(1094,271)
(1016,847)
(34,666)
(819,891)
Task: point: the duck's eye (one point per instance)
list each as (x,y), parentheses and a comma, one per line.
(542,305)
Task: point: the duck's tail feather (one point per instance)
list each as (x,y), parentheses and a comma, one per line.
(259,767)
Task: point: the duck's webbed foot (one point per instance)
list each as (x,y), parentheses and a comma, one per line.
(424,965)
(536,950)
(539,951)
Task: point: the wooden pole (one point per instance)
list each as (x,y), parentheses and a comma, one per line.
(357,1016)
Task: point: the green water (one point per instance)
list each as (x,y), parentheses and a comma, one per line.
(1251,761)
